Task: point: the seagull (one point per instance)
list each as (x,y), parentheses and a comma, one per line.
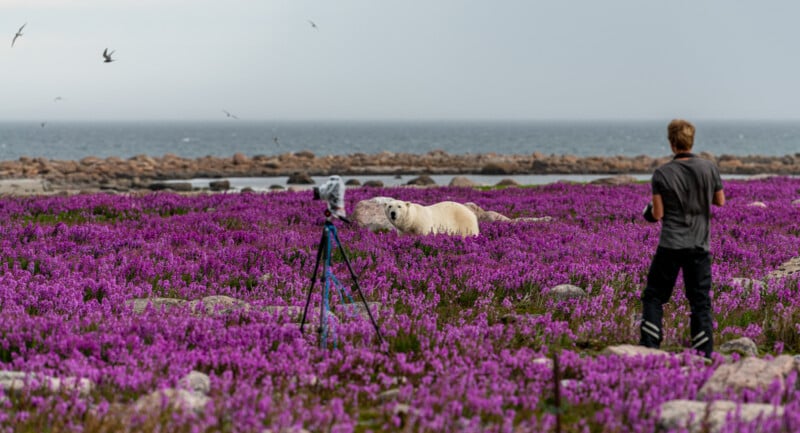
(275,139)
(19,33)
(312,24)
(229,114)
(107,56)
(57,98)
(42,124)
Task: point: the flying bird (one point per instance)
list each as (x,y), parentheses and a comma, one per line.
(19,33)
(313,25)
(229,114)
(43,124)
(57,98)
(107,56)
(275,139)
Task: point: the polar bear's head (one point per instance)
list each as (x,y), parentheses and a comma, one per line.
(396,211)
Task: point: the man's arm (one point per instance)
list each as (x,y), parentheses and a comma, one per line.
(658,207)
(719,198)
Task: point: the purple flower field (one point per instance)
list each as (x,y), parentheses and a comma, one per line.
(469,324)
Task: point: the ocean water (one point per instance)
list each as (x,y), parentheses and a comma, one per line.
(75,140)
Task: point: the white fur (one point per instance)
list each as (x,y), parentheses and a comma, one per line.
(444,217)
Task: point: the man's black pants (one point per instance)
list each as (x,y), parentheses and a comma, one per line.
(696,266)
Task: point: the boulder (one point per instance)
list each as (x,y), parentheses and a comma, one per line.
(373,184)
(499,167)
(196,382)
(240,159)
(614,180)
(760,204)
(633,350)
(300,178)
(743,346)
(140,304)
(567,291)
(462,182)
(487,216)
(174,399)
(507,182)
(219,304)
(12,381)
(174,186)
(786,269)
(219,185)
(423,180)
(370,214)
(701,417)
(353,182)
(750,373)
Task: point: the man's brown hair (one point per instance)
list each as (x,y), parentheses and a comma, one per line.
(681,135)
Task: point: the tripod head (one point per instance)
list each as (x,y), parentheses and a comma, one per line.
(329,216)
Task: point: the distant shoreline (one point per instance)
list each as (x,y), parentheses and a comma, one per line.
(138,172)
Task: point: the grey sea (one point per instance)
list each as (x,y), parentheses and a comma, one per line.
(75,140)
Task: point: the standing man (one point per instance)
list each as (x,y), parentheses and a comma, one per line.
(683,191)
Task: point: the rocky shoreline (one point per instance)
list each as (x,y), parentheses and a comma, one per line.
(139,172)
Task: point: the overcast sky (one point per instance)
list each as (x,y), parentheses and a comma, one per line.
(393,59)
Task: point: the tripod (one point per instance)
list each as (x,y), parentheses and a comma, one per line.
(329,234)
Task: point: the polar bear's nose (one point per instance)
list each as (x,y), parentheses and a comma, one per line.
(392,215)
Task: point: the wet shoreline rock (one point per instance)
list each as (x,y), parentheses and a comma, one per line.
(139,171)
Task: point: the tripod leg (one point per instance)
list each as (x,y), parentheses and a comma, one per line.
(355,283)
(323,241)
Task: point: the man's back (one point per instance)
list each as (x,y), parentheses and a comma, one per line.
(687,188)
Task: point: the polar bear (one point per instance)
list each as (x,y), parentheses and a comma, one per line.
(444,217)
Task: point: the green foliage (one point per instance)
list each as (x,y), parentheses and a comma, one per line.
(406,341)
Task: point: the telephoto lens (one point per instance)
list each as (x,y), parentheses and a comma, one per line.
(648,213)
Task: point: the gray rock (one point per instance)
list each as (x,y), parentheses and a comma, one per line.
(196,382)
(614,180)
(786,269)
(295,313)
(463,182)
(370,213)
(12,381)
(760,204)
(698,416)
(752,286)
(507,183)
(140,304)
(219,304)
(373,184)
(300,178)
(533,219)
(500,167)
(176,399)
(174,186)
(567,291)
(749,373)
(633,350)
(484,215)
(275,187)
(219,185)
(796,202)
(742,346)
(423,180)
(353,182)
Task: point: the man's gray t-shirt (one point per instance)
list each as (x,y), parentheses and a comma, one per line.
(687,189)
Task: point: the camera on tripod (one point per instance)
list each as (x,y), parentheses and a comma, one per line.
(332,191)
